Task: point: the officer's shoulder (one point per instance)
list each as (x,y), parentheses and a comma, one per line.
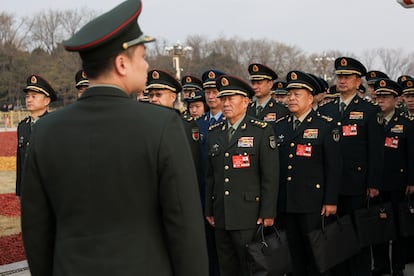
(257,123)
(216,126)
(186,117)
(327,103)
(26,120)
(369,102)
(324,117)
(281,119)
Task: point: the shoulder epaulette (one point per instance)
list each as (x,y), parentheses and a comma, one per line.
(258,123)
(25,120)
(327,118)
(280,119)
(215,126)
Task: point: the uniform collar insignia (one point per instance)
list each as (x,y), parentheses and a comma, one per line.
(244,126)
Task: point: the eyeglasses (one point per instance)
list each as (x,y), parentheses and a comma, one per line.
(156,94)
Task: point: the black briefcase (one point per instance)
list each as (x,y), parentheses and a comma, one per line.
(406,217)
(268,255)
(333,243)
(375,224)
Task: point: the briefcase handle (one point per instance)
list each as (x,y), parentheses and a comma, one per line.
(323,222)
(260,232)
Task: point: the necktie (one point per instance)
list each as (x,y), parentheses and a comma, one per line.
(296,124)
(259,109)
(342,108)
(212,121)
(231,132)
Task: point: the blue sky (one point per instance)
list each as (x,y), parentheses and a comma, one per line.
(312,25)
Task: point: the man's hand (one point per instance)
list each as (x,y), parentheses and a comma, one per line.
(409,190)
(372,192)
(266,222)
(210,220)
(328,210)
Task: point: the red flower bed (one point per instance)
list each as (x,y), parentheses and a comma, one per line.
(11,249)
(10,205)
(8,143)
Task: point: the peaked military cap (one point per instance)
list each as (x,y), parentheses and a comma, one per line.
(230,85)
(191,82)
(158,79)
(387,87)
(209,78)
(373,76)
(279,88)
(403,78)
(349,66)
(408,87)
(302,80)
(196,96)
(322,84)
(81,79)
(259,71)
(109,34)
(40,85)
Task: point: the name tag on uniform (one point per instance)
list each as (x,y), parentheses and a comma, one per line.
(350,130)
(304,150)
(391,142)
(245,142)
(270,117)
(398,129)
(355,115)
(241,161)
(310,133)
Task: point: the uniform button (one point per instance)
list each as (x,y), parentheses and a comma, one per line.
(290,167)
(290,155)
(339,123)
(402,170)
(226,167)
(226,193)
(292,145)
(257,198)
(226,180)
(289,178)
(359,169)
(226,154)
(318,186)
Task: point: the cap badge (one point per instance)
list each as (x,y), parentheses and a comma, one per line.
(224,82)
(211,75)
(409,84)
(192,94)
(188,79)
(84,75)
(33,79)
(373,74)
(293,76)
(344,62)
(280,85)
(155,75)
(255,68)
(403,78)
(383,83)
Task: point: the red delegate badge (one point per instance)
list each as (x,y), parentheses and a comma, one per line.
(391,142)
(350,130)
(241,161)
(304,150)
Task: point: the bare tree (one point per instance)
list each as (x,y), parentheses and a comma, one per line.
(47,32)
(72,20)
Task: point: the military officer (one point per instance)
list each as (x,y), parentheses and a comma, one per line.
(242,176)
(190,84)
(81,81)
(39,94)
(279,92)
(398,175)
(264,107)
(371,77)
(110,181)
(211,117)
(309,169)
(196,104)
(361,128)
(408,94)
(162,90)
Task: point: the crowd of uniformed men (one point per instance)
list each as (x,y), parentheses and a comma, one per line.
(284,151)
